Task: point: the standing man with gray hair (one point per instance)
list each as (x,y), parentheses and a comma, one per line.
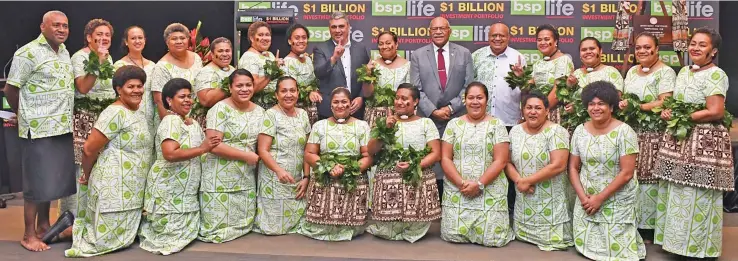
(335,62)
(40,90)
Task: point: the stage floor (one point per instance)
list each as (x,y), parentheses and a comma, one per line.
(295,247)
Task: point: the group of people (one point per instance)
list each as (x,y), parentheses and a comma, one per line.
(478,149)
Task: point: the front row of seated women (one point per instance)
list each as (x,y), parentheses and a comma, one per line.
(204,184)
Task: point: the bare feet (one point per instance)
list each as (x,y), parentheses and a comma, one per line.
(32,243)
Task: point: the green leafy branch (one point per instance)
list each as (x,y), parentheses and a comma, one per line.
(305,90)
(200,110)
(637,118)
(567,95)
(351,170)
(382,97)
(272,70)
(393,152)
(265,97)
(680,125)
(523,81)
(364,75)
(103,71)
(88,104)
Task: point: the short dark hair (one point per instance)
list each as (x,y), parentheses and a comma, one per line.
(171,88)
(393,34)
(535,95)
(238,72)
(126,73)
(294,28)
(413,90)
(285,78)
(590,38)
(94,24)
(715,37)
(219,40)
(338,90)
(649,35)
(123,46)
(477,84)
(603,90)
(548,27)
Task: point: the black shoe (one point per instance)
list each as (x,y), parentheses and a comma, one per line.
(65,220)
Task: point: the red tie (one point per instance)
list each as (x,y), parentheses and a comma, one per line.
(442,69)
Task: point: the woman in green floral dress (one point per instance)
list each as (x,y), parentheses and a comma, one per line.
(209,81)
(475,150)
(554,64)
(403,210)
(134,40)
(228,187)
(540,152)
(177,63)
(299,65)
(393,70)
(689,217)
(281,147)
(170,199)
(652,81)
(116,161)
(604,148)
(254,59)
(92,96)
(335,211)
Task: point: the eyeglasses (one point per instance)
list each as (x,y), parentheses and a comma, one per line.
(441,28)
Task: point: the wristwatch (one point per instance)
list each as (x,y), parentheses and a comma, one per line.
(451,109)
(481,186)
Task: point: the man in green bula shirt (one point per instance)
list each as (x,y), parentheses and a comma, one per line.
(40,90)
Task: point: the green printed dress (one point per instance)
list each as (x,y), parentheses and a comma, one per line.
(546,72)
(147,104)
(116,186)
(304,73)
(689,210)
(607,73)
(333,213)
(254,63)
(165,71)
(611,233)
(648,88)
(209,77)
(278,212)
(541,218)
(228,187)
(405,211)
(84,120)
(484,219)
(171,202)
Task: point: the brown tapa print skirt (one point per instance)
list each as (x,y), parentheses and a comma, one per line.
(84,122)
(648,146)
(396,201)
(373,113)
(334,205)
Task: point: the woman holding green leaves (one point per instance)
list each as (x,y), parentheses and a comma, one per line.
(393,71)
(299,65)
(209,80)
(254,59)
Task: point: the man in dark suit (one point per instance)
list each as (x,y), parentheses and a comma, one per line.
(335,62)
(441,71)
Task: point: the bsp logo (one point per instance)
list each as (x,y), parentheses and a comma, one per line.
(462,33)
(694,9)
(531,55)
(402,8)
(541,7)
(603,34)
(322,34)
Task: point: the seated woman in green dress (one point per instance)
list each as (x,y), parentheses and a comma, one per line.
(170,199)
(404,210)
(540,152)
(209,79)
(116,160)
(601,169)
(475,150)
(694,172)
(228,185)
(282,174)
(253,60)
(337,192)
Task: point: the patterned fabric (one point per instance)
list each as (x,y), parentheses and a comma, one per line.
(607,73)
(648,143)
(689,220)
(491,69)
(388,79)
(397,201)
(484,219)
(623,29)
(84,122)
(303,73)
(103,89)
(611,233)
(650,86)
(680,25)
(333,213)
(46,82)
(546,72)
(397,230)
(648,193)
(278,211)
(228,187)
(165,71)
(541,217)
(166,234)
(695,87)
(147,104)
(116,185)
(254,63)
(209,77)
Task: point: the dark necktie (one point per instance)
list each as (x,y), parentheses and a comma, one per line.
(442,69)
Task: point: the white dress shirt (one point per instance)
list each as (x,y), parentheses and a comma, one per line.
(346,62)
(491,69)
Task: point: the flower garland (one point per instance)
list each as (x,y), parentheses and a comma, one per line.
(103,70)
(351,170)
(91,105)
(393,152)
(364,75)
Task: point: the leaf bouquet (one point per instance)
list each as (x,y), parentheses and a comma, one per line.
(567,95)
(351,170)
(680,125)
(393,152)
(364,75)
(92,105)
(102,70)
(523,81)
(637,118)
(272,70)
(382,97)
(305,90)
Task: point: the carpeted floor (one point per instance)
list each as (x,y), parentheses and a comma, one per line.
(295,247)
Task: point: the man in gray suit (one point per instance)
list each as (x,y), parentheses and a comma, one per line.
(335,62)
(441,71)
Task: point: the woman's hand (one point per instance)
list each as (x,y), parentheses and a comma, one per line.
(622,104)
(302,188)
(315,97)
(284,177)
(666,114)
(402,166)
(471,190)
(593,204)
(209,143)
(569,108)
(571,80)
(524,186)
(337,171)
